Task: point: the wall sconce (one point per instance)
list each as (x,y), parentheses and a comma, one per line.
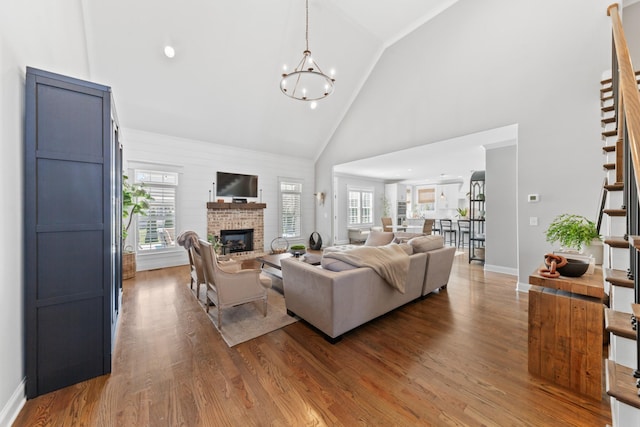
(442,196)
(320,197)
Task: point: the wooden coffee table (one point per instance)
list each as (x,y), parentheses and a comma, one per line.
(274,261)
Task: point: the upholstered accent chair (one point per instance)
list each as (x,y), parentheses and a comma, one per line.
(386,224)
(197,273)
(231,288)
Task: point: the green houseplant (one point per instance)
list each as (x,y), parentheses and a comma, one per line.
(135,200)
(572,231)
(462,212)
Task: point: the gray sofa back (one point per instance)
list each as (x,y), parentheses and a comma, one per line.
(336,302)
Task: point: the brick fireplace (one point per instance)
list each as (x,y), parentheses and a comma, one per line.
(238,216)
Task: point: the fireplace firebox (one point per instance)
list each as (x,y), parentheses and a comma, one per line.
(236,240)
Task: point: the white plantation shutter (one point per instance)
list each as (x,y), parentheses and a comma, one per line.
(360,207)
(156,230)
(354,207)
(290,208)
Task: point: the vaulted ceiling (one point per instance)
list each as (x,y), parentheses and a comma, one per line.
(222,86)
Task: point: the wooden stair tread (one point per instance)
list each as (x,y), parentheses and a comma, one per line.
(608,108)
(608,120)
(616,186)
(609,80)
(621,384)
(635,242)
(609,133)
(619,323)
(609,148)
(606,98)
(615,212)
(618,277)
(609,166)
(616,242)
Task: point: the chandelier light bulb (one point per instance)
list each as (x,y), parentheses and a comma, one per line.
(169,51)
(313,105)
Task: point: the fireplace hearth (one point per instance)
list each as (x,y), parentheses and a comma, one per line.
(236,240)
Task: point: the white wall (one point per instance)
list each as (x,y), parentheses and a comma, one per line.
(482,65)
(631,18)
(197,163)
(47,35)
(501,253)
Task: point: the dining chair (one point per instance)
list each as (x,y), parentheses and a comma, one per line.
(229,289)
(386,224)
(463,228)
(446,228)
(427,227)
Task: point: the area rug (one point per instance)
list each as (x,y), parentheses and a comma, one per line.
(247,321)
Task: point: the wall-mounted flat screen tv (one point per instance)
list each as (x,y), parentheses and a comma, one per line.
(236,185)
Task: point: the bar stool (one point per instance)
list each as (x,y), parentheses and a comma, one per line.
(463,228)
(446,227)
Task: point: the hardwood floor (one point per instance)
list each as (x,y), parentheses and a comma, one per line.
(458,357)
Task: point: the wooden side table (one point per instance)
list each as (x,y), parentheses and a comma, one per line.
(566,321)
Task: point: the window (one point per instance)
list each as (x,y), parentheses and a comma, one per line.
(360,207)
(156,230)
(290,208)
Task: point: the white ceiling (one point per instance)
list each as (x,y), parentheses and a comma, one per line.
(222,85)
(435,163)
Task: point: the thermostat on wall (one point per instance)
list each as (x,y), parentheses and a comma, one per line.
(532,198)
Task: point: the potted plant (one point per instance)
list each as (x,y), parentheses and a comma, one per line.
(575,233)
(135,200)
(297,250)
(463,212)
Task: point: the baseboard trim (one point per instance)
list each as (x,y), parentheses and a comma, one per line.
(523,287)
(13,407)
(499,269)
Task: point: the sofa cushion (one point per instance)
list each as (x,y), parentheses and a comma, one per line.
(335,264)
(379,238)
(427,243)
(405,247)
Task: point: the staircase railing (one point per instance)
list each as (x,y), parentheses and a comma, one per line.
(627,113)
(630,102)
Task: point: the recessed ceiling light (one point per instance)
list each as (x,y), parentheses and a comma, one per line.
(169,51)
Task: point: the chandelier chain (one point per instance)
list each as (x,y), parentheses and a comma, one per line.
(306,36)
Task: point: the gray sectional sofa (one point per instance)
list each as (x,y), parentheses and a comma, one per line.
(335,297)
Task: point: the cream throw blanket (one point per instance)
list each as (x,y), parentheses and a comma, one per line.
(391,262)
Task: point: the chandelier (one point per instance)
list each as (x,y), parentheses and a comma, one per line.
(306,82)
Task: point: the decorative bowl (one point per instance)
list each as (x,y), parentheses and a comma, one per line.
(573,268)
(297,252)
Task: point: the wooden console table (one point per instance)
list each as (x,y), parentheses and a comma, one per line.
(566,320)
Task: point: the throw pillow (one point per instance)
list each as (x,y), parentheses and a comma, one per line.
(379,238)
(427,243)
(404,237)
(333,264)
